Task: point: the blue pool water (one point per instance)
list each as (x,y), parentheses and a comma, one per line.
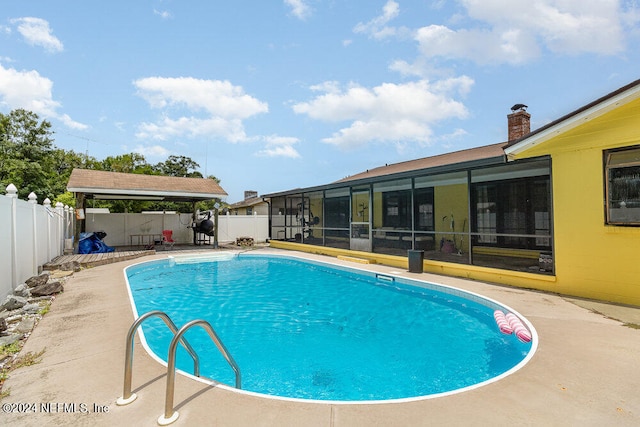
(306,330)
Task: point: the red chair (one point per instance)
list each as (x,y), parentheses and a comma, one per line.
(167,239)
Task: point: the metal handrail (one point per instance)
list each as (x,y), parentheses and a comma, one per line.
(170,415)
(127,396)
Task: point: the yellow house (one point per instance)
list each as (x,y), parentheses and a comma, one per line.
(595,156)
(556,209)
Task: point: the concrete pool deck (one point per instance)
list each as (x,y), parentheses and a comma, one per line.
(586,371)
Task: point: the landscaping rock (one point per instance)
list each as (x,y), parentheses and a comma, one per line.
(10,339)
(44,298)
(16,316)
(22,291)
(26,325)
(3,325)
(31,309)
(59,274)
(6,314)
(48,288)
(13,302)
(34,281)
(70,266)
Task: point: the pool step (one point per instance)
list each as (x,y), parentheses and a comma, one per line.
(358,260)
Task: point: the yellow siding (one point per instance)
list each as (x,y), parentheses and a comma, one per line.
(451,200)
(377,210)
(360,207)
(593,260)
(315,206)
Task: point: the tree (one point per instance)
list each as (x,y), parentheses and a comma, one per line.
(25,147)
(179,166)
(60,163)
(66,198)
(30,161)
(127,163)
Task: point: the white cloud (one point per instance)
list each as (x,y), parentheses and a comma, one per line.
(389,112)
(193,127)
(70,123)
(422,67)
(377,27)
(481,46)
(631,17)
(221,105)
(280,146)
(36,32)
(514,32)
(31,91)
(217,97)
(299,8)
(328,87)
(152,151)
(164,14)
(448,140)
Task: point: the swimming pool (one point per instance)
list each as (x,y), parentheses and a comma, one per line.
(308,330)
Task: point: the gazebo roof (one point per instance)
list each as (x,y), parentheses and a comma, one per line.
(130,186)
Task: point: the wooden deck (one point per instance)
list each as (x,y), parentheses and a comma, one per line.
(94,260)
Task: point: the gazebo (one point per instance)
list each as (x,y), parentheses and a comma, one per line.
(89,184)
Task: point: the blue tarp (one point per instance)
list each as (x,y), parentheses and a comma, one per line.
(91,243)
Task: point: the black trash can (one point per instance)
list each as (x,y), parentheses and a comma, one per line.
(416,258)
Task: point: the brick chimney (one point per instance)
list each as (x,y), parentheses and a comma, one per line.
(519,122)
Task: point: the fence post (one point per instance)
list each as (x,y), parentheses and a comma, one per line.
(71,232)
(12,192)
(67,224)
(72,225)
(60,228)
(47,208)
(33,200)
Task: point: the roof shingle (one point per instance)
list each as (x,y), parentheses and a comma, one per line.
(94,181)
(471,154)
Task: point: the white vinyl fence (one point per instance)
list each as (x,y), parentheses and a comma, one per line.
(133,229)
(30,236)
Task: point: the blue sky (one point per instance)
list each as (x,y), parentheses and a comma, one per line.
(275,95)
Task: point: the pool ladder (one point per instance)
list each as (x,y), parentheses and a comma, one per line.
(169,415)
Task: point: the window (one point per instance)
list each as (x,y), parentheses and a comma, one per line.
(249,211)
(485,202)
(424,209)
(337,212)
(622,178)
(396,209)
(510,213)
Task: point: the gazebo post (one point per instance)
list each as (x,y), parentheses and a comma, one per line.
(215,225)
(193,220)
(80,220)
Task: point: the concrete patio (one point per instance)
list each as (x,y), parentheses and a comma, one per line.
(586,371)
